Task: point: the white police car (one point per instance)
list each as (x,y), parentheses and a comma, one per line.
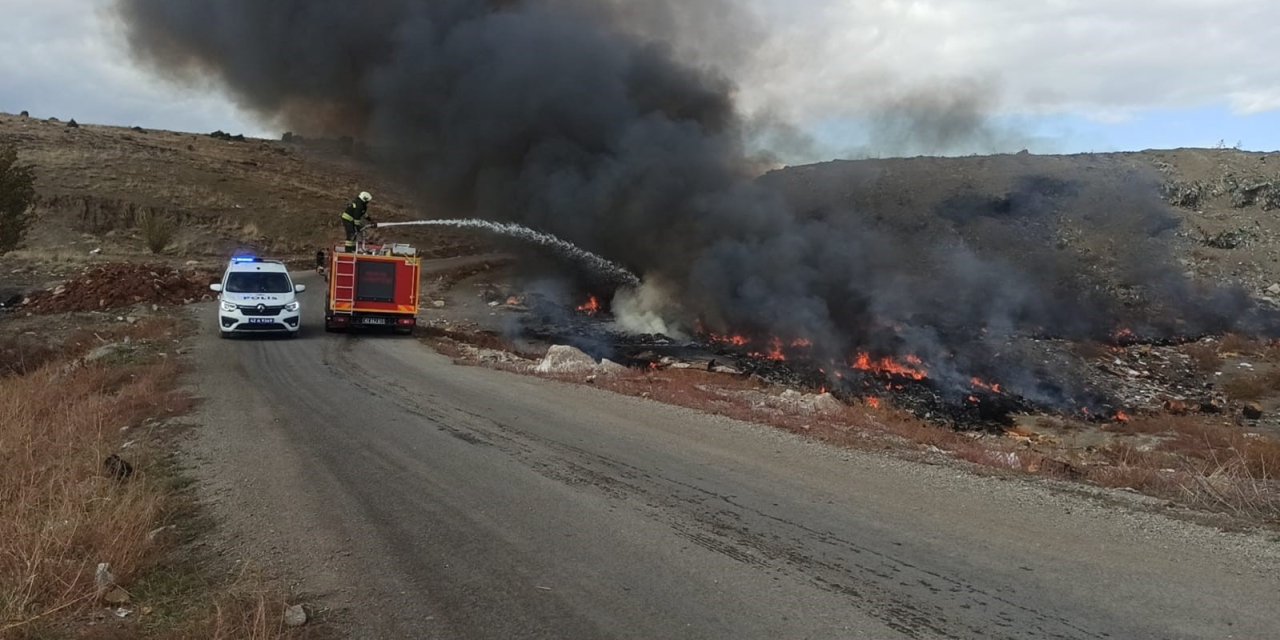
(257,296)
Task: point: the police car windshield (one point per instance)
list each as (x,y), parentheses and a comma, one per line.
(258,282)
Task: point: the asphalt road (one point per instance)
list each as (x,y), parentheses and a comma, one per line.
(420,499)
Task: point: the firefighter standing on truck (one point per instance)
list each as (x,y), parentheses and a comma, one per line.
(355,218)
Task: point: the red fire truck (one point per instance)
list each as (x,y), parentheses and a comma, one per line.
(374,287)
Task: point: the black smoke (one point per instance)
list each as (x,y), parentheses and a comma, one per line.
(579,117)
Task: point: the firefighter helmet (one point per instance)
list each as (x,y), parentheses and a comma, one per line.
(366,196)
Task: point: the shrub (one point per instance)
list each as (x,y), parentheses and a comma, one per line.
(157,231)
(17,190)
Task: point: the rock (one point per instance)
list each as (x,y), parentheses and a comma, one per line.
(105,351)
(131,319)
(155,534)
(724,368)
(827,404)
(116,596)
(117,467)
(609,367)
(1252,410)
(1213,405)
(1274,289)
(439,304)
(103,578)
(295,616)
(565,359)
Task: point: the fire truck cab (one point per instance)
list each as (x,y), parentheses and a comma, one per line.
(374,287)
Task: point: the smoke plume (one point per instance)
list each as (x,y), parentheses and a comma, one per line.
(586,119)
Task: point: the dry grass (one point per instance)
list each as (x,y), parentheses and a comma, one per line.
(20,354)
(1241,344)
(157,230)
(1200,462)
(1251,386)
(62,513)
(1205,357)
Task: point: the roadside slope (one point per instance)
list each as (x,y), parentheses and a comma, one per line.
(423,499)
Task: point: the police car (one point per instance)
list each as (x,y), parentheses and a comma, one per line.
(257,296)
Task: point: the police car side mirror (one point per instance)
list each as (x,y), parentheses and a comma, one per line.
(299,288)
(215,287)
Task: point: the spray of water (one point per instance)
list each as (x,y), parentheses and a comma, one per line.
(564,248)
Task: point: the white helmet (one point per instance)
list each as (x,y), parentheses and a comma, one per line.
(366,196)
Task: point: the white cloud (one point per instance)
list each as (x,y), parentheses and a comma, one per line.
(1093,58)
(66,59)
(807,61)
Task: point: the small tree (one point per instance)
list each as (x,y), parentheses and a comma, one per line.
(17,190)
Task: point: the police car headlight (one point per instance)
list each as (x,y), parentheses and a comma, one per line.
(228,306)
(292,306)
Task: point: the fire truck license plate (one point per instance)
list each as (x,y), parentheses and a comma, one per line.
(260,320)
(375,320)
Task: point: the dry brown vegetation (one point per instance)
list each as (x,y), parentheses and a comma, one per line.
(157,230)
(1205,357)
(1251,386)
(1197,462)
(62,511)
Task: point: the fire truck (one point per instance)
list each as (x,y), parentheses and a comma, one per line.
(376,286)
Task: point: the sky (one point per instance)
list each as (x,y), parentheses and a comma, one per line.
(855,77)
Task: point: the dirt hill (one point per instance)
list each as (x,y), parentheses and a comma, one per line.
(97,184)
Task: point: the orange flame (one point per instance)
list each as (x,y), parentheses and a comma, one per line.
(591,307)
(774,353)
(979,383)
(874,403)
(1122,417)
(736,341)
(914,368)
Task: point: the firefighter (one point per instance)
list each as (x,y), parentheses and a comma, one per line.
(355,218)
